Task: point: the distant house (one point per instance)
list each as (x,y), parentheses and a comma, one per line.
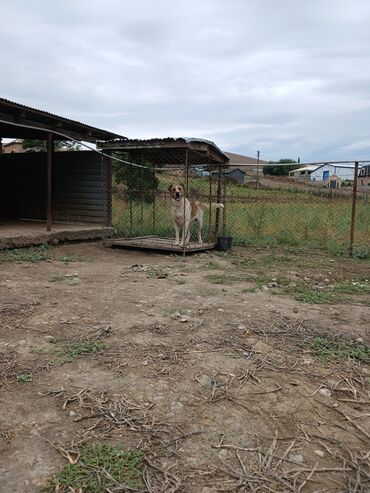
(364,177)
(15,145)
(235,174)
(302,174)
(325,171)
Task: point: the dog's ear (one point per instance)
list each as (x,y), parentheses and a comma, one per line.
(182,186)
(170,188)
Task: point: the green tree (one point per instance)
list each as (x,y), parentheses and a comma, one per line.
(140,182)
(39,145)
(270,169)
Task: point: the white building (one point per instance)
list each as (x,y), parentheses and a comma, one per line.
(325,171)
(302,174)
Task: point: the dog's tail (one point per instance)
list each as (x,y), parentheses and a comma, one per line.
(213,204)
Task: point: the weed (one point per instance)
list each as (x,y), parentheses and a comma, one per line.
(213,265)
(73,350)
(326,347)
(249,290)
(56,278)
(101,468)
(25,377)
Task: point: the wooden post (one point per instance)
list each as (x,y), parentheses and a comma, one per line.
(353,216)
(49,152)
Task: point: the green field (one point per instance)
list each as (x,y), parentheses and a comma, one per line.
(255,217)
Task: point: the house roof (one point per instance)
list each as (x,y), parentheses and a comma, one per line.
(310,167)
(21,121)
(240,159)
(345,166)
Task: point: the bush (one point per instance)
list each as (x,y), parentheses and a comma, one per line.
(140,182)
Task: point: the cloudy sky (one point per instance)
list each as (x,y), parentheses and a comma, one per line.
(291,78)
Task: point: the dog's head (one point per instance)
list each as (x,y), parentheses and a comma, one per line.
(177,191)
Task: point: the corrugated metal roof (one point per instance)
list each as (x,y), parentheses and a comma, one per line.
(12,104)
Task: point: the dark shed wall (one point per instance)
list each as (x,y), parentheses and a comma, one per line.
(80,192)
(23,185)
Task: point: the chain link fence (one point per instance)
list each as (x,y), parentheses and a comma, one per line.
(268,212)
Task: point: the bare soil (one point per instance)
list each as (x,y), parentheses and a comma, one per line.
(215,382)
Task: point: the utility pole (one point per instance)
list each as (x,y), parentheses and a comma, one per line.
(258,162)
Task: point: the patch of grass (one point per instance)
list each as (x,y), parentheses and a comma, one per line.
(326,348)
(354,287)
(222,279)
(25,377)
(328,294)
(73,350)
(40,253)
(100,468)
(308,294)
(31,254)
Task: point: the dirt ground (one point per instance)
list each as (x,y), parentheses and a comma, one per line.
(203,362)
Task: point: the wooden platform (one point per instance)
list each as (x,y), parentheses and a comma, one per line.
(156,243)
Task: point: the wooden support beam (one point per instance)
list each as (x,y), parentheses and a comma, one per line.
(49,154)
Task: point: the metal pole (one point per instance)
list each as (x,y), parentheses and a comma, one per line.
(219,178)
(49,151)
(353,217)
(142,195)
(184,231)
(154,197)
(258,162)
(210,207)
(224,209)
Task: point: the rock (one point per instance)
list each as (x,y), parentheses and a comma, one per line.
(261,347)
(185,318)
(242,327)
(224,290)
(205,381)
(325,392)
(72,413)
(264,288)
(220,309)
(295,310)
(49,338)
(223,454)
(176,406)
(320,453)
(296,457)
(272,285)
(21,342)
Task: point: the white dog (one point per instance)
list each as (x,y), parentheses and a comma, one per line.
(185,213)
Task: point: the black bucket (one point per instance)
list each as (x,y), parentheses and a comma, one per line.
(224,243)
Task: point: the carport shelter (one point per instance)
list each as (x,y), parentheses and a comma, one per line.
(50,189)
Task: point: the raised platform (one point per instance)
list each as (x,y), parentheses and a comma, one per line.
(156,243)
(17,234)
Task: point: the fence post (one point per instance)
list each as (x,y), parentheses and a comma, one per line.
(353,217)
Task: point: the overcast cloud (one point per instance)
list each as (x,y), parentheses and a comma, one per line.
(291,78)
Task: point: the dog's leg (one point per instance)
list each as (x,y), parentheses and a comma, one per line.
(177,231)
(200,222)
